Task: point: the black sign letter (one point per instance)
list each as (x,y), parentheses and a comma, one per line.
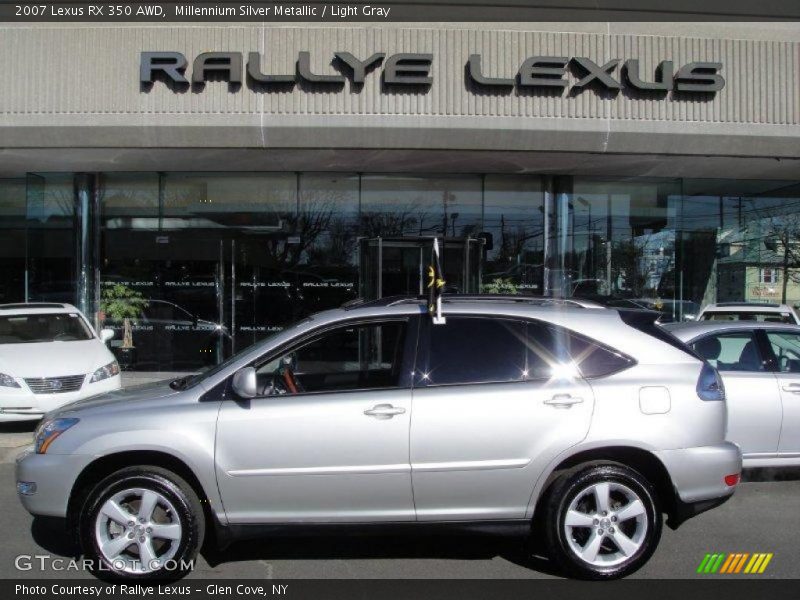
(169,63)
(595,71)
(408,69)
(254,70)
(359,67)
(228,62)
(703,75)
(476,73)
(533,73)
(663,76)
(304,68)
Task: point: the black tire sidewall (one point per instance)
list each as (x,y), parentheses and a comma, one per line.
(173,488)
(568,487)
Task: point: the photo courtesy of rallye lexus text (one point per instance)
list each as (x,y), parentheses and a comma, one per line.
(578,425)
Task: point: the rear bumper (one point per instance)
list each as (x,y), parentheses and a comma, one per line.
(686,510)
(698,474)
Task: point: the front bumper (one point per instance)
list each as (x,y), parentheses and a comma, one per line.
(698,474)
(54,476)
(21,404)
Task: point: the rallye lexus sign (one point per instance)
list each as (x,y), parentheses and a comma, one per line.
(415,69)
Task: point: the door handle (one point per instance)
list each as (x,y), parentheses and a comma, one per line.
(384,411)
(563,401)
(794,388)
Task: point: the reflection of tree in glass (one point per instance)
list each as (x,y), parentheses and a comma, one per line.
(408,219)
(782,237)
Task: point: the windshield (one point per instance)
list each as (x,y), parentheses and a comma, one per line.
(31,329)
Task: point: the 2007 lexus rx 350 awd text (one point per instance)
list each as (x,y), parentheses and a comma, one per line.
(579,425)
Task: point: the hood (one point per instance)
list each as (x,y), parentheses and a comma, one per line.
(119,398)
(53,359)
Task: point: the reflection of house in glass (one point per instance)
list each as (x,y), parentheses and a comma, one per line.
(761,263)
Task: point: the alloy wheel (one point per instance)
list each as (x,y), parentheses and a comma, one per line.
(138,530)
(606,524)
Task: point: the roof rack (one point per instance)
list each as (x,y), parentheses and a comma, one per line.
(24,305)
(451,298)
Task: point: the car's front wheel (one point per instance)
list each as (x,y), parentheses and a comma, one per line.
(602,522)
(141,523)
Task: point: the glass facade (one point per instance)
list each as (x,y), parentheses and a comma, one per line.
(212,262)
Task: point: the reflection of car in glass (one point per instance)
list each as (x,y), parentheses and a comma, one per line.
(669,310)
(524,411)
(526,277)
(49,356)
(168,337)
(760,367)
(749,311)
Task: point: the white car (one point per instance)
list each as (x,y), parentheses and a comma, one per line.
(50,355)
(749,311)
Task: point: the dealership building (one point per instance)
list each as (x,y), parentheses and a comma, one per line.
(236,177)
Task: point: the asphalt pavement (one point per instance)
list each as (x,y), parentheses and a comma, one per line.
(763,516)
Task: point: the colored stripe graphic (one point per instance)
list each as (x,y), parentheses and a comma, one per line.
(740,564)
(734,563)
(727,564)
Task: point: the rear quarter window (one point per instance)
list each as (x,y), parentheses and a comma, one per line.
(592,358)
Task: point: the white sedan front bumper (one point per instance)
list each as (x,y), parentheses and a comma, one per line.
(21,404)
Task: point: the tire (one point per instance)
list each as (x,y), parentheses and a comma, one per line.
(587,544)
(163,546)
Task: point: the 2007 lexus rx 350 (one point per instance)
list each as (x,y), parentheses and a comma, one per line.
(581,425)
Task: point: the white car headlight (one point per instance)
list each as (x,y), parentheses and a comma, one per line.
(105,372)
(49,431)
(7,381)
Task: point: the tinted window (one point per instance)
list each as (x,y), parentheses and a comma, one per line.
(786,346)
(730,351)
(557,352)
(476,350)
(366,356)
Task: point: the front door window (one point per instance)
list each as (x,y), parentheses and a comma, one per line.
(354,357)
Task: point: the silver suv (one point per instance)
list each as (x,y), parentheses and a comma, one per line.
(580,425)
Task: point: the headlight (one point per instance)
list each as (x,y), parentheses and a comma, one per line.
(49,431)
(109,370)
(7,381)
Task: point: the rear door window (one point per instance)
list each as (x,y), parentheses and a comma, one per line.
(476,350)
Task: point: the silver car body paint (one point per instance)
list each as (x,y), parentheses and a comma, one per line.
(763,406)
(463,452)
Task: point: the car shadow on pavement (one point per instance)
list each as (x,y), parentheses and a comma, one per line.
(329,547)
(771,474)
(51,535)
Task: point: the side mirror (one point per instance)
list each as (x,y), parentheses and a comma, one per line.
(106,335)
(244,383)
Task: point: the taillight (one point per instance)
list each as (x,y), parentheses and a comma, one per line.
(709,384)
(732,480)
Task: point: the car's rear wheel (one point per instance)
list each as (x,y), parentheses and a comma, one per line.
(602,522)
(142,523)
